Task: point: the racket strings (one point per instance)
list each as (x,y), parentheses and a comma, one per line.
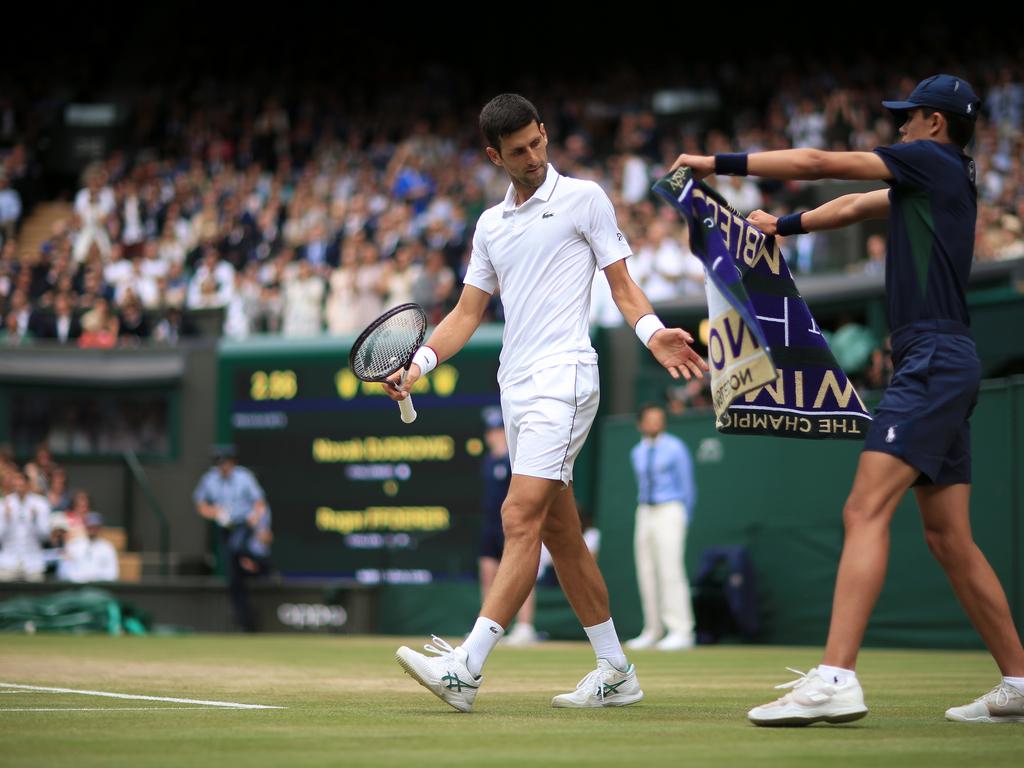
(388,346)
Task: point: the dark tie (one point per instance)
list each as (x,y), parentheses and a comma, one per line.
(650,474)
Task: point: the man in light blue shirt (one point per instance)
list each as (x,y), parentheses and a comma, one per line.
(231,497)
(666,497)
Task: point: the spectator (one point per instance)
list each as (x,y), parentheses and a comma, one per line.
(93,205)
(303,302)
(173,327)
(875,264)
(369,304)
(10,208)
(341,302)
(434,286)
(87,555)
(58,496)
(62,326)
(99,327)
(24,525)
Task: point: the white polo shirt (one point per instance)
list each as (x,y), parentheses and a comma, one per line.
(543,254)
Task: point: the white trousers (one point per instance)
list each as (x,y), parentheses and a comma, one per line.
(21,566)
(93,233)
(658,544)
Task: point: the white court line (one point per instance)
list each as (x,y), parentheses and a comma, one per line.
(225,704)
(97,709)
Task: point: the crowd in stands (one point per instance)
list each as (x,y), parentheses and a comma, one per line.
(292,219)
(308,210)
(47,528)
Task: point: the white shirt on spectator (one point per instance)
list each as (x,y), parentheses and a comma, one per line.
(303,306)
(145,289)
(88,560)
(636,182)
(117,273)
(223,275)
(132,232)
(94,213)
(741,193)
(24,524)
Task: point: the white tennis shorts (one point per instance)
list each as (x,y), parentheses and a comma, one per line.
(548,416)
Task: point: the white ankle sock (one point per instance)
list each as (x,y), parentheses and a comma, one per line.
(606,644)
(836,675)
(481,641)
(1016,682)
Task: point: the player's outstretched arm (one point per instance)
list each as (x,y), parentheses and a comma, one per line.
(449,337)
(670,346)
(834,214)
(796,164)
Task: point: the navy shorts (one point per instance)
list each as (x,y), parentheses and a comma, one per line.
(492,542)
(923,416)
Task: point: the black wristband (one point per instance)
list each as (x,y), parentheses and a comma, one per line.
(731,164)
(790,225)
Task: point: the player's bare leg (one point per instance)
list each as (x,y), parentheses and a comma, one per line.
(878,486)
(947,529)
(454,674)
(577,570)
(522,517)
(831,692)
(614,682)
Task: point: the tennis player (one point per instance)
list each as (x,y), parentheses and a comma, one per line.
(541,244)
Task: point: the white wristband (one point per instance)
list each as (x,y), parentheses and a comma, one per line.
(647,326)
(426,359)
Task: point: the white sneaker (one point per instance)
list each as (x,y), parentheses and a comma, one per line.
(521,635)
(606,686)
(643,641)
(812,700)
(673,641)
(445,674)
(1003,704)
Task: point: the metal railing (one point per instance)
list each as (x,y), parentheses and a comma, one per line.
(138,474)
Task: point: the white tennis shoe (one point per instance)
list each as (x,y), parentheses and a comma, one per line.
(813,699)
(1003,704)
(444,674)
(606,686)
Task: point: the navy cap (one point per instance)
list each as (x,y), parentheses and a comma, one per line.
(942,92)
(222,452)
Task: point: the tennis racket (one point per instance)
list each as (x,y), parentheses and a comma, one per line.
(387,346)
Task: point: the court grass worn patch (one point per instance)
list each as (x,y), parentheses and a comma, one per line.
(345,702)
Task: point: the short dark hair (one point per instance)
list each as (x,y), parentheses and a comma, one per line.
(504,115)
(959,128)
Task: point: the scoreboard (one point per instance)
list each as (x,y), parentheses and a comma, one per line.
(353,490)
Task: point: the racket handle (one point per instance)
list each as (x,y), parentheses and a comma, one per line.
(405,406)
(408,412)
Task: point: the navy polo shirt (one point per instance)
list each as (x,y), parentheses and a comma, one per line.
(933,208)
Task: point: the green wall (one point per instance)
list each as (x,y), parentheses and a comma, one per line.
(782,499)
